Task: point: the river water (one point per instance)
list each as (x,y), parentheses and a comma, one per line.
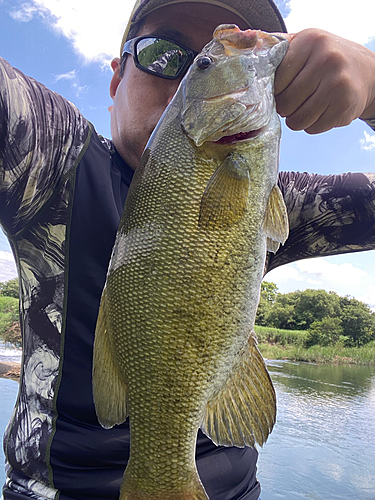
(323,444)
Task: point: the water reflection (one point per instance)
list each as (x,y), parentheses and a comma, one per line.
(323,445)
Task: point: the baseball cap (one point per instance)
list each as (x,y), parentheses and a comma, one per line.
(257,14)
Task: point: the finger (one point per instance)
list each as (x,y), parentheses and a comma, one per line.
(329,120)
(294,61)
(307,116)
(304,85)
(319,112)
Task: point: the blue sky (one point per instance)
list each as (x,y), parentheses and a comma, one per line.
(67,45)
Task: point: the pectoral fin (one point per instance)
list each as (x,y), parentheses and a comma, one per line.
(109,387)
(224,201)
(244,411)
(276,224)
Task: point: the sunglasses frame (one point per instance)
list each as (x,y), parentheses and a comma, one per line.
(130,46)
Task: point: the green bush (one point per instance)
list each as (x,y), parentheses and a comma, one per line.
(9,313)
(279,336)
(9,288)
(326,332)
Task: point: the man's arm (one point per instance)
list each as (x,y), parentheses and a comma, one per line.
(328,215)
(41,135)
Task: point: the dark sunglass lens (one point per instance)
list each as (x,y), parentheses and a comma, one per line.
(160,56)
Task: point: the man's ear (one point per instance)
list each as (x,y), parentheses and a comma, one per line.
(115,64)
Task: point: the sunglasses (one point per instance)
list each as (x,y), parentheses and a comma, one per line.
(160,56)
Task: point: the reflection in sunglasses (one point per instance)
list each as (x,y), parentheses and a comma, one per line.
(160,56)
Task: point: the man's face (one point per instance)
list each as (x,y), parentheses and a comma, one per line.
(139,99)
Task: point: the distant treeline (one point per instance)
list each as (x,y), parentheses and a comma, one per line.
(328,318)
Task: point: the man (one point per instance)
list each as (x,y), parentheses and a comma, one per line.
(62,191)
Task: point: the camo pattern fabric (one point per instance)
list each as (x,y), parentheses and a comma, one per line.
(328,215)
(37,159)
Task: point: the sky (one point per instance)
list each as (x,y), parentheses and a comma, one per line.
(68,45)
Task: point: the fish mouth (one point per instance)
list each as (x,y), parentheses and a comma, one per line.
(242,136)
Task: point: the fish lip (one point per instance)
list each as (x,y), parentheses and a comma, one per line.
(242,136)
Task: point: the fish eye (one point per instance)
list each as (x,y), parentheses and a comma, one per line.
(204,62)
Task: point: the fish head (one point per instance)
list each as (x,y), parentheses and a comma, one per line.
(228,92)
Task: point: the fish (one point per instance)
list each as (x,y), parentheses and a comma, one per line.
(175,348)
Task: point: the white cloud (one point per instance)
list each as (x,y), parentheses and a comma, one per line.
(95,31)
(345,19)
(320,273)
(284,273)
(26,13)
(368,297)
(75,84)
(70,75)
(8,269)
(337,274)
(368,142)
(79,89)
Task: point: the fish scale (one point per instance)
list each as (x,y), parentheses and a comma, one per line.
(174,346)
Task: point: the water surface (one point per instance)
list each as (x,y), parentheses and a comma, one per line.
(8,396)
(323,445)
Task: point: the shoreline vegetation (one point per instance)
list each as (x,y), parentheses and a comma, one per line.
(276,344)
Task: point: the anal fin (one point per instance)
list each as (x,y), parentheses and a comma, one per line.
(109,387)
(244,411)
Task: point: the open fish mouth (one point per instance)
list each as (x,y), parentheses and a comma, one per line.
(229,118)
(242,136)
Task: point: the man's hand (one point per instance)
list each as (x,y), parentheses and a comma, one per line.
(324,82)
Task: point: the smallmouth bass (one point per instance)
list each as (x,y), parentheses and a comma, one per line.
(174,345)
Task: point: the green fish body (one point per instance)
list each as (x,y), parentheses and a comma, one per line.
(174,347)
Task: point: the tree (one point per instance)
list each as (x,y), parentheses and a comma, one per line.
(325,332)
(282,313)
(314,305)
(13,335)
(9,313)
(268,294)
(358,322)
(268,290)
(9,288)
(328,317)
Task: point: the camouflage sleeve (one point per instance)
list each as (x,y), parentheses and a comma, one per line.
(328,215)
(41,137)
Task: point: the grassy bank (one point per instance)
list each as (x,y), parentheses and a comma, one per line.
(289,344)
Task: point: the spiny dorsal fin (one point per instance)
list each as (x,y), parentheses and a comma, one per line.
(109,388)
(276,224)
(224,201)
(244,411)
